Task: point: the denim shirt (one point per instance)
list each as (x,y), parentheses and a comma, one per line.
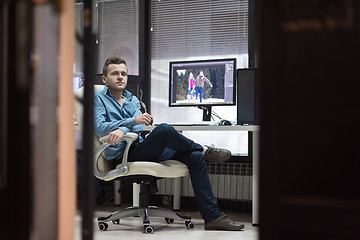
(110,115)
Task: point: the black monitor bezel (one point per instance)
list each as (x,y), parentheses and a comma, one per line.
(171,63)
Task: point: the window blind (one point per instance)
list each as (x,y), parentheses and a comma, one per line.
(79,27)
(118,33)
(189,30)
(199,28)
(194,30)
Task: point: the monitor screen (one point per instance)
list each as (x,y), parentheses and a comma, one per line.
(202,83)
(78,81)
(248,99)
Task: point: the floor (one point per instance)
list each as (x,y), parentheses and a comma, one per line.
(132,228)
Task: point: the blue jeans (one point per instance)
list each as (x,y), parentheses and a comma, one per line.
(200,91)
(165,143)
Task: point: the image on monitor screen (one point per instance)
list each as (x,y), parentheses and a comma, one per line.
(202,83)
(78,81)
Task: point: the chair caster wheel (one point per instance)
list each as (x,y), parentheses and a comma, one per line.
(148,229)
(190,224)
(169,220)
(116,221)
(103,226)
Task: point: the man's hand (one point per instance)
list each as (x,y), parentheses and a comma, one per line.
(114,137)
(144,118)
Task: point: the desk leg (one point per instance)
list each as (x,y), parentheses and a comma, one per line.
(136,191)
(117,195)
(177,193)
(255,178)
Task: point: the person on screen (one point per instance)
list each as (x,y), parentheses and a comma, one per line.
(200,81)
(191,86)
(117,112)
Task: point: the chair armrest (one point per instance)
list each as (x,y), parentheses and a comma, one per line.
(129,138)
(129,135)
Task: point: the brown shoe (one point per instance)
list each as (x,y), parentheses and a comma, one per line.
(224,223)
(217,155)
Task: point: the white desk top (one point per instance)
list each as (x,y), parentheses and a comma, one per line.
(250,128)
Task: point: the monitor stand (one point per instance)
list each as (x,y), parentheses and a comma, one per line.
(206,113)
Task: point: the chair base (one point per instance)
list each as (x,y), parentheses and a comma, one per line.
(147,185)
(152,211)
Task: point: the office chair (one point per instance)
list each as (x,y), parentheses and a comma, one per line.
(140,172)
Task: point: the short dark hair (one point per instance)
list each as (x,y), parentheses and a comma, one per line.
(112,60)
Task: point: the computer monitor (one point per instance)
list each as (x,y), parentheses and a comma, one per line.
(203,84)
(78,81)
(248,97)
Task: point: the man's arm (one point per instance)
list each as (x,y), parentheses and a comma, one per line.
(104,127)
(208,81)
(115,136)
(117,129)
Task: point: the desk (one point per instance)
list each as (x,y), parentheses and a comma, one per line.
(255,153)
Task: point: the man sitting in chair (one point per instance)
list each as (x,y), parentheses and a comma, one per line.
(117,112)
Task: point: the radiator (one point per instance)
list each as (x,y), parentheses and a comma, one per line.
(228,180)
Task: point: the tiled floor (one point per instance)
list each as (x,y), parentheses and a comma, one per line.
(132,228)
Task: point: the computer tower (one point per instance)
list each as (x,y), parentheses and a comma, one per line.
(247,96)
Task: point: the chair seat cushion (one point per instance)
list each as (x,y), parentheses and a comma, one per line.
(164,169)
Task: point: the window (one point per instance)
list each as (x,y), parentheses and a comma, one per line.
(117,33)
(191,30)
(79,27)
(194,30)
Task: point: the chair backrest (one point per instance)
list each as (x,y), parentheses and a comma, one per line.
(101,164)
